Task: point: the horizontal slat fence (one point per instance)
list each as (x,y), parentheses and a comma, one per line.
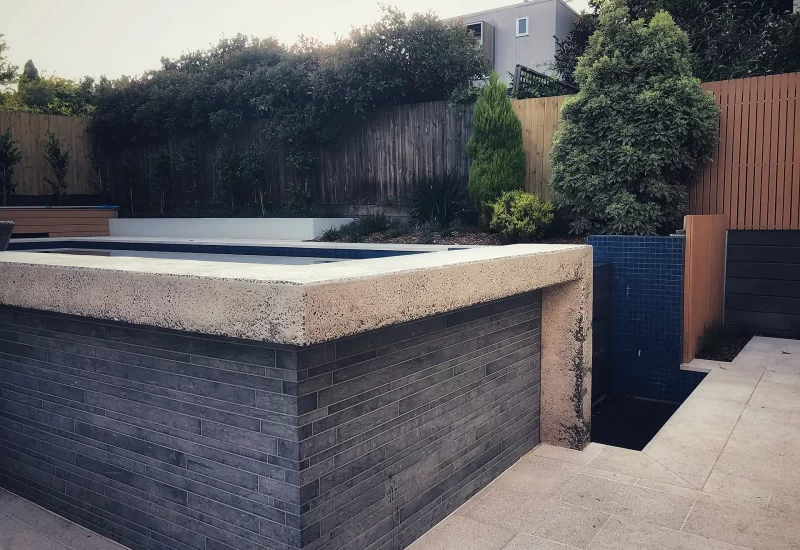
(29,130)
(754,177)
(704,279)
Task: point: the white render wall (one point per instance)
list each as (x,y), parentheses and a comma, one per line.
(288,229)
(546,19)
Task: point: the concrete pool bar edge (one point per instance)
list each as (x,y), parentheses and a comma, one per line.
(339,406)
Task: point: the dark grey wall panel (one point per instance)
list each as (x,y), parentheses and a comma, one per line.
(154,438)
(171,441)
(762,287)
(407,423)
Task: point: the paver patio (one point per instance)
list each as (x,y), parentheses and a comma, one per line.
(723,473)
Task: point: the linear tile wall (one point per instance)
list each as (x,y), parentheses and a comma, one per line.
(401,426)
(171,441)
(156,439)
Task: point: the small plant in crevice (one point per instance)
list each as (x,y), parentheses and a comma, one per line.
(57,156)
(9,157)
(577,433)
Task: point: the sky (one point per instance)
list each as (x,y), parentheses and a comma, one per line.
(73,38)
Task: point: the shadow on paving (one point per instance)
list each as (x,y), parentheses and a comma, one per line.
(629,422)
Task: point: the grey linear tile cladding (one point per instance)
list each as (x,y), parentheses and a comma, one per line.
(164,440)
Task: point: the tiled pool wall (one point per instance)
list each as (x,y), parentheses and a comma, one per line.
(174,441)
(647,315)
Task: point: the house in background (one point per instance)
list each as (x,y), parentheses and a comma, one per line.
(521,34)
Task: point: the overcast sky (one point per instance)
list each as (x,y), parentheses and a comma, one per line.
(72,38)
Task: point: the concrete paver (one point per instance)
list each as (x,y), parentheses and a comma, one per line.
(722,474)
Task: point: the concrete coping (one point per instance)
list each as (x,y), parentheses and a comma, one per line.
(285,304)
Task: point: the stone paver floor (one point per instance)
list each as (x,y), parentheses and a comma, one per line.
(26,526)
(723,473)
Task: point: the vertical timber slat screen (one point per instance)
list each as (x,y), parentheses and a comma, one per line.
(704,278)
(540,119)
(29,130)
(754,177)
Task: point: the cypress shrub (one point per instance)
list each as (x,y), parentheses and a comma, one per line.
(495,147)
(634,136)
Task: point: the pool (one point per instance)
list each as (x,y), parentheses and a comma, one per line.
(295,253)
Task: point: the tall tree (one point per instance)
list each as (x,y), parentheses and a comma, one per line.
(634,135)
(8,72)
(495,147)
(728,38)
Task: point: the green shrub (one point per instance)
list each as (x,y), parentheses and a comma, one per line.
(359,229)
(426,233)
(57,156)
(521,216)
(9,157)
(633,137)
(495,147)
(438,199)
(373,222)
(398,227)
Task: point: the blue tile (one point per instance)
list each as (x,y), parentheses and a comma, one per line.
(647,310)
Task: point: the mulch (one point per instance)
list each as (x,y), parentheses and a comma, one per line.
(464,238)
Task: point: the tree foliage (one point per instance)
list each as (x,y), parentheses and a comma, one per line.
(521,216)
(9,158)
(8,72)
(495,147)
(634,135)
(305,93)
(728,38)
(57,156)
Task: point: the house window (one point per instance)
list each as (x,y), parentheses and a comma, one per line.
(477,30)
(522,26)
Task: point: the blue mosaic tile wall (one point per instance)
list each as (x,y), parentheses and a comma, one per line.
(647,310)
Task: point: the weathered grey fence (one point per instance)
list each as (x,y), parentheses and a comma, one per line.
(374,161)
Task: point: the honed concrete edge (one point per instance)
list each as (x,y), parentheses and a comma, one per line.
(296,305)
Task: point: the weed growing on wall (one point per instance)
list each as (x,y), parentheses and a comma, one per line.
(577,434)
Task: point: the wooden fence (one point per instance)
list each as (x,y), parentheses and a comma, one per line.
(30,131)
(704,278)
(754,178)
(59,221)
(540,119)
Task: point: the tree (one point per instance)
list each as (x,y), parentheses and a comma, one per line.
(161,166)
(634,135)
(306,94)
(58,158)
(30,72)
(8,72)
(728,38)
(9,157)
(495,147)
